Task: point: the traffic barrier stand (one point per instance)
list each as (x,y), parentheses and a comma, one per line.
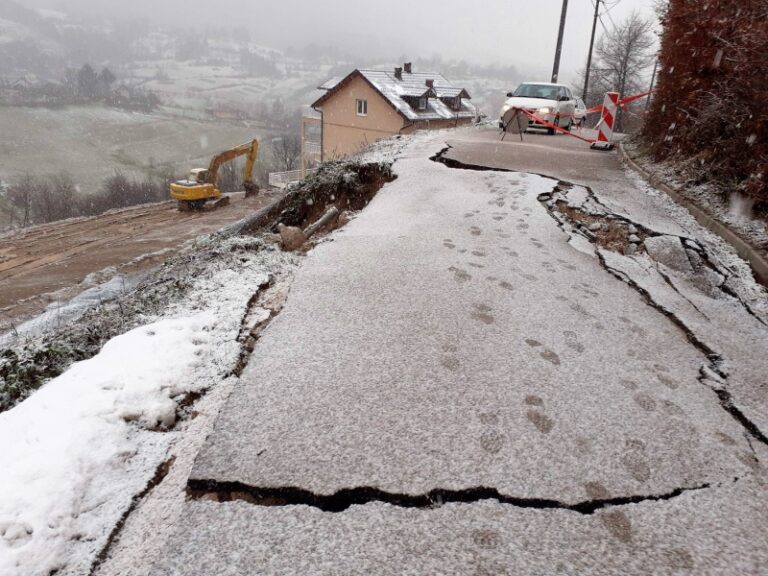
(605,126)
(622,103)
(514,121)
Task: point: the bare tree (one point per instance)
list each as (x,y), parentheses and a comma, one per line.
(53,199)
(622,58)
(20,197)
(286,152)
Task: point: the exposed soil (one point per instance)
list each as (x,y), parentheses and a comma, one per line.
(59,256)
(613,234)
(347,185)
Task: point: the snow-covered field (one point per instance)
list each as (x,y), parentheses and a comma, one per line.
(78,452)
(201,86)
(91,142)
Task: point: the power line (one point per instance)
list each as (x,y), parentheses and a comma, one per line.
(605,28)
(608,11)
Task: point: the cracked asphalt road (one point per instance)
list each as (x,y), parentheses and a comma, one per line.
(466,381)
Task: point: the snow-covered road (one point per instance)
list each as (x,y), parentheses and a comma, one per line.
(480,376)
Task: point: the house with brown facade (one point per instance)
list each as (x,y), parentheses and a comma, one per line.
(368,105)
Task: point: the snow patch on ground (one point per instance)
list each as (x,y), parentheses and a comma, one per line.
(70,468)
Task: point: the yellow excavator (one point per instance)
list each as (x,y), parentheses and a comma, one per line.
(193,193)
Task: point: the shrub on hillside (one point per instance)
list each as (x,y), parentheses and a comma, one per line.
(119,191)
(711,101)
(39,200)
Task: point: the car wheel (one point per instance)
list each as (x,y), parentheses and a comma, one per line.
(556,122)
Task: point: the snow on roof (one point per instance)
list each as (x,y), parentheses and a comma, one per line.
(449,92)
(331,84)
(413,85)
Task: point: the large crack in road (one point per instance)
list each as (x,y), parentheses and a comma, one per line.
(610,231)
(346,185)
(360,496)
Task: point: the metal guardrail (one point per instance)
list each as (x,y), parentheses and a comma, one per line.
(283,179)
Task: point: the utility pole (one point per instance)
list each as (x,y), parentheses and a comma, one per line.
(559,49)
(591,46)
(653,82)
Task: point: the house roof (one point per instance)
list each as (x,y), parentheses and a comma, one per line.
(448,92)
(330,84)
(414,85)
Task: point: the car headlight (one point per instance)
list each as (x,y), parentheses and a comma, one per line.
(545,110)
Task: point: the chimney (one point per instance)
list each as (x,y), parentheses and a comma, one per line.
(399,73)
(408,68)
(430,83)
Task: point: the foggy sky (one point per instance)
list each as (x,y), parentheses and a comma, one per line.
(518,32)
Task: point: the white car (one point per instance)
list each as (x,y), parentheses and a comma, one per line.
(553,103)
(580,115)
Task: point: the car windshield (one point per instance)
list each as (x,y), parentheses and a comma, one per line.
(536,91)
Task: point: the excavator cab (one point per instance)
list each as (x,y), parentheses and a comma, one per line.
(199,175)
(201,186)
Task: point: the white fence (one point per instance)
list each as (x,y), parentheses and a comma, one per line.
(283,179)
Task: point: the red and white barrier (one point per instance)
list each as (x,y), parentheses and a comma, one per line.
(609,109)
(605,126)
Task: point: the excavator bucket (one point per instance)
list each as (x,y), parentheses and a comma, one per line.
(251,189)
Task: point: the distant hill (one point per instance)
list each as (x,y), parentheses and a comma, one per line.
(46,42)
(30,42)
(18,22)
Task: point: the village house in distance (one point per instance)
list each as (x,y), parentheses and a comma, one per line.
(368,105)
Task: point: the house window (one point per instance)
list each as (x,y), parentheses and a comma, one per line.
(422,103)
(362,107)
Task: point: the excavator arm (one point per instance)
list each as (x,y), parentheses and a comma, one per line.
(249,149)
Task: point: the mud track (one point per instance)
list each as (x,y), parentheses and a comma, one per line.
(59,256)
